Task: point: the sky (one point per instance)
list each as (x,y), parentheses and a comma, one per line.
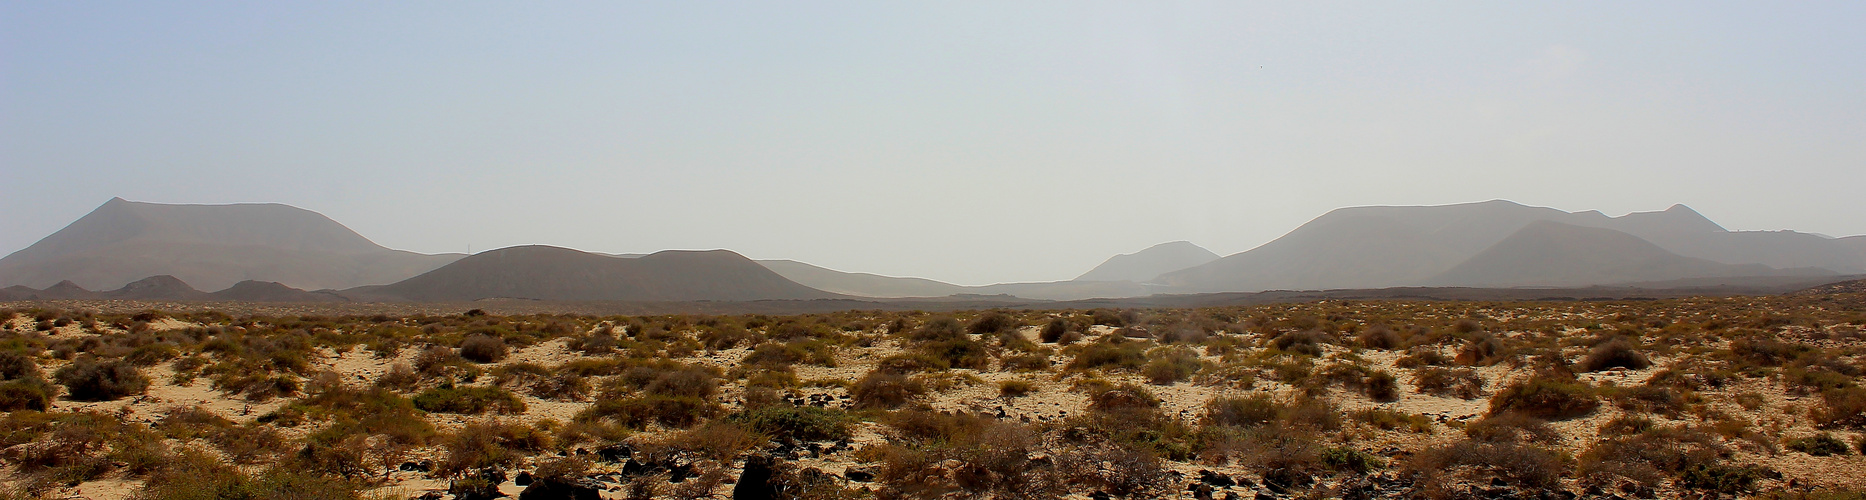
(969,142)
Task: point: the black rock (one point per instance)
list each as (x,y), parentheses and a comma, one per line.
(422,466)
(1100,495)
(859,474)
(755,481)
(523,479)
(1216,479)
(432,495)
(1201,491)
(576,489)
(615,453)
(681,472)
(1498,482)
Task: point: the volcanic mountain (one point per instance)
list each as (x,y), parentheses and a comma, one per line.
(1376,247)
(1146,264)
(210,246)
(1554,254)
(552,273)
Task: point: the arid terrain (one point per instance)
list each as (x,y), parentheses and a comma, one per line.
(1672,398)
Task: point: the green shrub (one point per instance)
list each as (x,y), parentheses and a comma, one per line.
(1382,386)
(1820,445)
(1348,459)
(992,322)
(1546,397)
(469,400)
(1723,478)
(91,380)
(1053,331)
(1512,427)
(804,423)
(670,411)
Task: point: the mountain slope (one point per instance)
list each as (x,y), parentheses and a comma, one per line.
(860,284)
(1376,247)
(553,273)
(212,246)
(1152,262)
(1554,254)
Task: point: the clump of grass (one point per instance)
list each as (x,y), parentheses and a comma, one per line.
(805,423)
(1393,420)
(1462,383)
(1546,397)
(1015,388)
(1820,445)
(469,400)
(885,390)
(1172,365)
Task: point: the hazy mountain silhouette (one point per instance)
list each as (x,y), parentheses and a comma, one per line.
(213,246)
(1152,262)
(1376,247)
(553,273)
(1548,253)
(170,288)
(877,286)
(860,284)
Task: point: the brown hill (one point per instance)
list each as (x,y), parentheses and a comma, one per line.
(162,287)
(266,291)
(1149,263)
(212,246)
(562,274)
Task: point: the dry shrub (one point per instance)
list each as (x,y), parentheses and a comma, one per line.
(1519,465)
(1392,420)
(1379,337)
(469,400)
(1462,383)
(1172,365)
(1512,428)
(805,423)
(483,348)
(491,443)
(1616,353)
(91,380)
(1546,397)
(884,390)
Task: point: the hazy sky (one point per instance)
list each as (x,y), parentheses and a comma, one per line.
(967,142)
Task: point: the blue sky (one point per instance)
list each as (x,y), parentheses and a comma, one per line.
(971,142)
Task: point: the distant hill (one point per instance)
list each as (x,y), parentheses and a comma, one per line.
(212,246)
(1553,254)
(1379,247)
(860,284)
(553,273)
(170,288)
(1149,263)
(877,286)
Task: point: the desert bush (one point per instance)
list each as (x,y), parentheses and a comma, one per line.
(92,380)
(804,423)
(28,393)
(600,342)
(1842,408)
(1483,350)
(1015,388)
(469,400)
(1053,331)
(1546,397)
(1724,478)
(1261,409)
(1112,352)
(1381,386)
(490,443)
(1347,459)
(400,376)
(1393,420)
(879,389)
(15,364)
(1820,445)
(1378,337)
(1123,397)
(1422,356)
(1615,353)
(200,477)
(1462,383)
(482,348)
(991,322)
(1300,342)
(942,328)
(958,353)
(1027,362)
(1172,365)
(637,412)
(1516,464)
(1512,428)
(1767,351)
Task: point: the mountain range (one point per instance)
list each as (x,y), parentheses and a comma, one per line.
(272,252)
